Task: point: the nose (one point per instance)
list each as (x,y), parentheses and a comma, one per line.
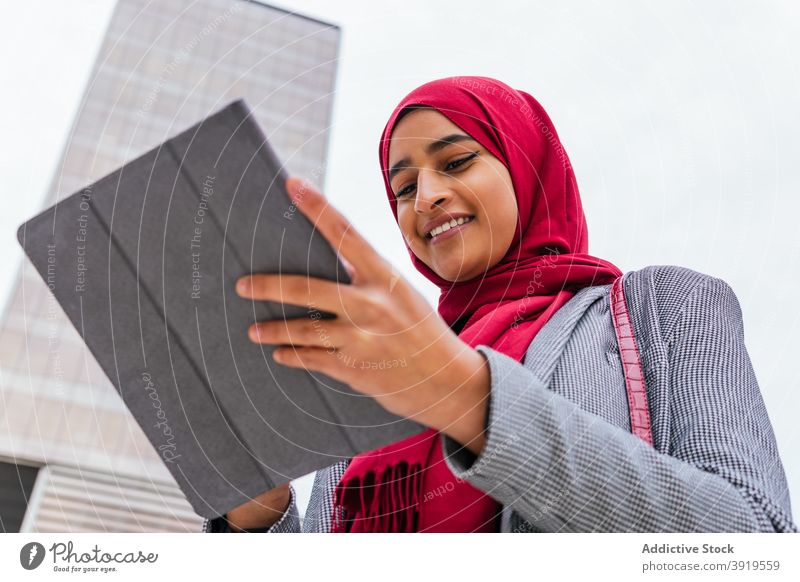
(430,191)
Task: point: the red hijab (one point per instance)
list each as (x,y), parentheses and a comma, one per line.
(407,486)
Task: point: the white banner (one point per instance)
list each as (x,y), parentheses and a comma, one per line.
(403,557)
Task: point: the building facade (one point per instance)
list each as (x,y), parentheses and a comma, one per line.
(71,456)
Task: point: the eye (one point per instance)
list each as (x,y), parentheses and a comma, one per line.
(404,191)
(448,167)
(456,163)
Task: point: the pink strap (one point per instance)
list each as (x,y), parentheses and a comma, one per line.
(631,364)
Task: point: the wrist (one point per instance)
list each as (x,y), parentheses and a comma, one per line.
(467,418)
(260,513)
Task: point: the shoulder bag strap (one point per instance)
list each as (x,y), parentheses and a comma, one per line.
(631,364)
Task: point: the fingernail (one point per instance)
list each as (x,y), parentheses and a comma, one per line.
(243,285)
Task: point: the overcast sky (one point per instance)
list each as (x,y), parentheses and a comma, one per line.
(681,120)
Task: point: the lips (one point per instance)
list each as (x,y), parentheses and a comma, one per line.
(445,225)
(439,221)
(451,232)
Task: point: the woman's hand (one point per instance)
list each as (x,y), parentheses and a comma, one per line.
(386,341)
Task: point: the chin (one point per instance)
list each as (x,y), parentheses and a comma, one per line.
(458,269)
(457,273)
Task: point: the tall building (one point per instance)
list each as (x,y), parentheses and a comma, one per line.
(71,456)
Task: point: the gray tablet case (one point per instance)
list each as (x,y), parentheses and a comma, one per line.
(144,263)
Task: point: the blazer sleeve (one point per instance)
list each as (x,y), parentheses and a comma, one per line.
(565,469)
(323,494)
(289,523)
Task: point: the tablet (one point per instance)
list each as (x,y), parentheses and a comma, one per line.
(144,263)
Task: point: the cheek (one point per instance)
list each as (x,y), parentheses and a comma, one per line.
(406,221)
(499,205)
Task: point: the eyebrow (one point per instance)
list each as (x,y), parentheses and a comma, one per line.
(432,148)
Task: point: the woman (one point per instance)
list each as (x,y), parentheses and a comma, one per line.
(546,412)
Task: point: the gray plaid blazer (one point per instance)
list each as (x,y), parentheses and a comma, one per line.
(559,454)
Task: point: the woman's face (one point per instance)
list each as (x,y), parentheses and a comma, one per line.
(439,173)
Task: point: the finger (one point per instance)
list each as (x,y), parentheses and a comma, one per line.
(329,362)
(323,333)
(348,267)
(310,292)
(337,230)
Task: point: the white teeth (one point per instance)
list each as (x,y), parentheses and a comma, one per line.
(448,225)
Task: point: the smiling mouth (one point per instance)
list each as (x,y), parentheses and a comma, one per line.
(451,232)
(448,226)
